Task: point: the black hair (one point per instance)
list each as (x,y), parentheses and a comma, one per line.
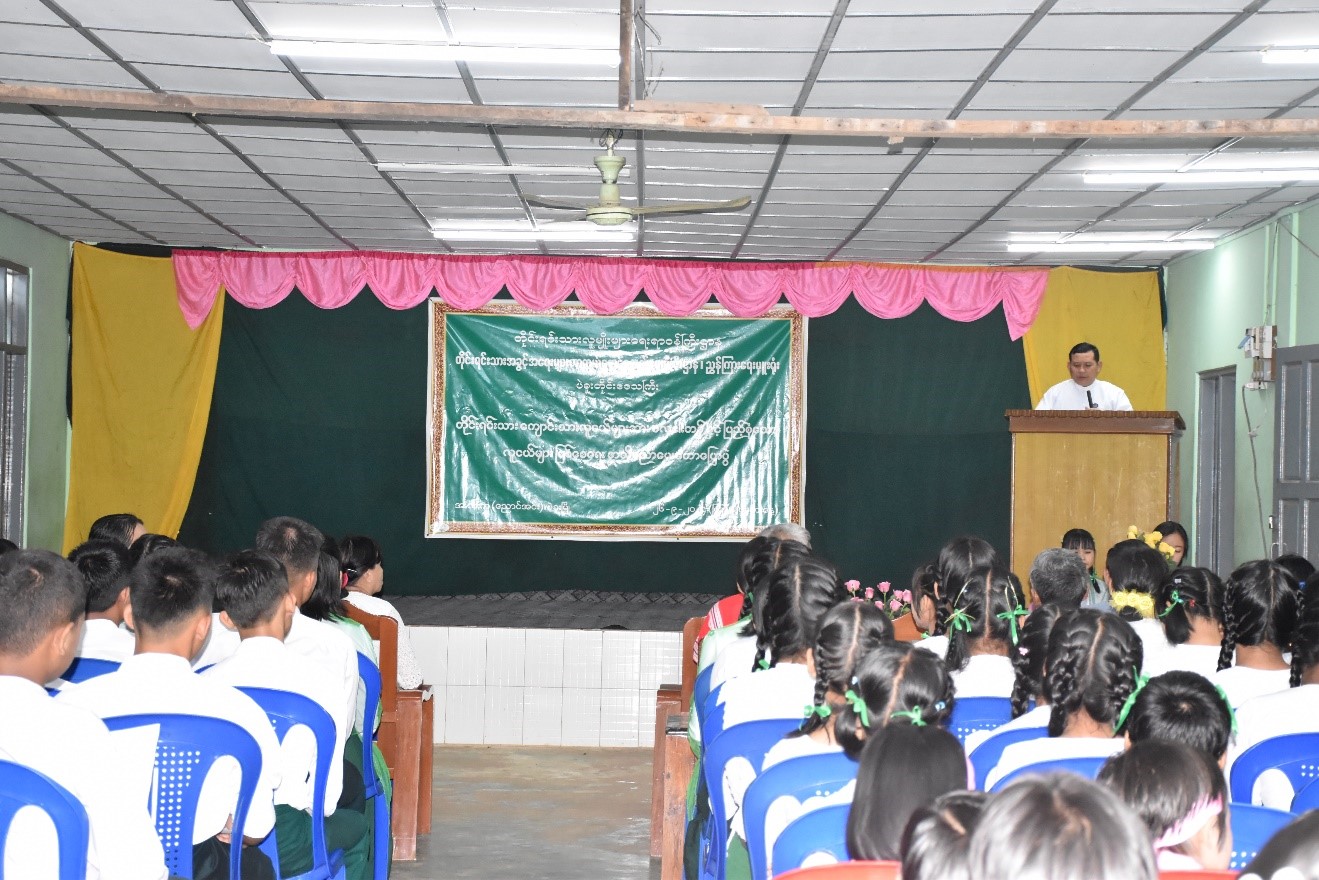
(848,632)
(1305,639)
(770,559)
(798,595)
(1028,659)
(1300,567)
(104,565)
(292,541)
(358,554)
(1163,782)
(1136,567)
(250,586)
(752,565)
(7,546)
(1059,576)
(1079,539)
(1092,664)
(39,591)
(924,585)
(936,839)
(149,543)
(1084,348)
(169,586)
(903,767)
(957,559)
(326,599)
(1183,707)
(894,678)
(1060,826)
(117,527)
(1183,594)
(1171,527)
(991,608)
(1294,846)
(1261,604)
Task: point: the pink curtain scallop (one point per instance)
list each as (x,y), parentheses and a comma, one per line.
(606,285)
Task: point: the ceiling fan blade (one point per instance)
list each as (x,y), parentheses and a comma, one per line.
(558,204)
(575,218)
(694,207)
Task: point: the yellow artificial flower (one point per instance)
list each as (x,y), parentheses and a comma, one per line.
(1143,603)
(1166,550)
(1133,533)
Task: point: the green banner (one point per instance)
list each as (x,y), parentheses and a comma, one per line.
(634,425)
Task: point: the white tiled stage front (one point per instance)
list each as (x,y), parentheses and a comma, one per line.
(546,686)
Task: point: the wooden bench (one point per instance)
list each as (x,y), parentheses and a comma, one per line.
(666,770)
(406,739)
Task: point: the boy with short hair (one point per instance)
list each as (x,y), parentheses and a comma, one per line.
(104,565)
(252,591)
(43,597)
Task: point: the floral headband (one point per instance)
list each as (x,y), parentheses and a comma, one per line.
(1200,815)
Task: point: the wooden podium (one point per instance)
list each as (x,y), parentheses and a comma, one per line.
(1099,471)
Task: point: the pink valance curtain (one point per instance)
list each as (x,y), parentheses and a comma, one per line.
(605,285)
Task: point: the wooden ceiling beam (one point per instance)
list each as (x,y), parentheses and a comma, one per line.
(693,118)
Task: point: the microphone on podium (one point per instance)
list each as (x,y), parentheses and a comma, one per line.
(1090,400)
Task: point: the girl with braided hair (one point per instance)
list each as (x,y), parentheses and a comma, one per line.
(984,626)
(1091,670)
(932,602)
(848,632)
(1188,609)
(896,680)
(734,655)
(1261,605)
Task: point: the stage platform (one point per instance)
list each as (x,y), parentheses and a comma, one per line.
(560,609)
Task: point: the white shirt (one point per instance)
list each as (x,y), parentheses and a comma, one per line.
(1295,710)
(734,660)
(936,645)
(1037,717)
(1242,683)
(985,675)
(164,683)
(265,662)
(221,643)
(1051,748)
(1068,395)
(797,747)
(716,640)
(330,648)
(409,673)
(1153,641)
(104,640)
(73,748)
(1200,659)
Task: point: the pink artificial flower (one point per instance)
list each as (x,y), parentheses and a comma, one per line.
(870,592)
(884,586)
(852,586)
(904,595)
(894,604)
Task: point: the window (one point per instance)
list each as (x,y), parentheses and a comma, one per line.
(13,398)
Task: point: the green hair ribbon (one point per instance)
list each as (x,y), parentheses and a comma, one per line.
(914,715)
(1174,599)
(1141,681)
(762,663)
(858,706)
(1011,616)
(960,620)
(822,710)
(1230,711)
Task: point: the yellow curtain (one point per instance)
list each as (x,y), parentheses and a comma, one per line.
(1119,313)
(142,385)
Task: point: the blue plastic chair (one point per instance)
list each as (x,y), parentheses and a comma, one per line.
(187,747)
(1087,767)
(978,713)
(84,668)
(1295,754)
(749,740)
(375,791)
(1306,799)
(286,711)
(24,787)
(819,831)
(798,778)
(700,691)
(1251,829)
(986,755)
(712,717)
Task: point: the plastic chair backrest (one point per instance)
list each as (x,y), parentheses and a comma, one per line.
(375,790)
(846,871)
(1306,799)
(24,787)
(986,755)
(186,749)
(286,711)
(83,668)
(819,831)
(1295,754)
(1087,767)
(1251,829)
(701,691)
(798,778)
(749,740)
(978,713)
(712,719)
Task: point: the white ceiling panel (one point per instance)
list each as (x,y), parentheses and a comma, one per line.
(926,32)
(436,90)
(1135,30)
(406,22)
(162,16)
(65,71)
(712,33)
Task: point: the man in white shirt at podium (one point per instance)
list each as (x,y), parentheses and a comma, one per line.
(1085,390)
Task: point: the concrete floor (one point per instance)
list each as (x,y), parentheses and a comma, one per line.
(513,812)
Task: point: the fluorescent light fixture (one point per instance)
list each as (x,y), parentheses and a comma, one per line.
(521,230)
(1291,56)
(1104,247)
(446,52)
(1263,177)
(495,168)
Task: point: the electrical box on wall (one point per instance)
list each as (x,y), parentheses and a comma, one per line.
(1260,345)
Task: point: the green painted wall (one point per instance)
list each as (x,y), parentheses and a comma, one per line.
(46,257)
(1264,276)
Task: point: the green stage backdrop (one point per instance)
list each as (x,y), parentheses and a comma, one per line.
(322,415)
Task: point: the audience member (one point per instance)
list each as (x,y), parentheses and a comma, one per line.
(1059,577)
(983,626)
(925,606)
(1260,609)
(1133,571)
(894,680)
(1299,567)
(121,528)
(1174,535)
(1180,707)
(146,544)
(363,568)
(1082,543)
(737,656)
(1028,668)
(1188,605)
(104,566)
(734,608)
(936,841)
(1291,854)
(957,559)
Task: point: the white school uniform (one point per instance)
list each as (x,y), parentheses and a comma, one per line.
(1032,718)
(165,683)
(985,675)
(1295,710)
(1200,659)
(936,645)
(797,747)
(409,672)
(330,648)
(266,662)
(73,748)
(734,661)
(1153,641)
(104,640)
(1052,748)
(221,643)
(718,639)
(1242,683)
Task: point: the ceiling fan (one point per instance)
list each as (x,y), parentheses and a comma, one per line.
(609,211)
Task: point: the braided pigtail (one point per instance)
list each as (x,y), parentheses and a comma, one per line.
(848,632)
(1228,653)
(1183,595)
(1092,665)
(1029,656)
(799,594)
(958,558)
(869,692)
(767,558)
(1305,643)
